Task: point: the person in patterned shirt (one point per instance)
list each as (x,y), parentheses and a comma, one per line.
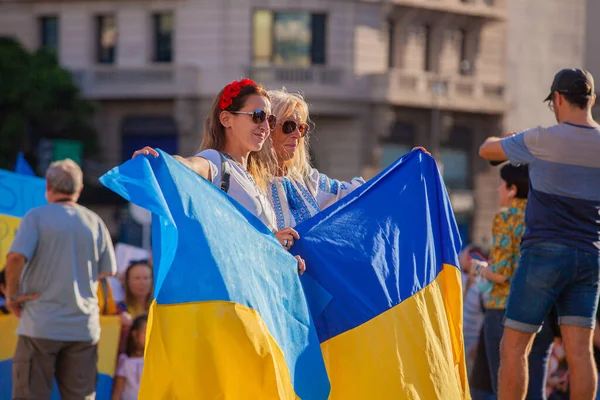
(298,191)
(507,230)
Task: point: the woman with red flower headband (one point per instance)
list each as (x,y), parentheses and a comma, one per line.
(238,126)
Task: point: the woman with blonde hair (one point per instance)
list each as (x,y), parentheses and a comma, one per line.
(238,126)
(297,191)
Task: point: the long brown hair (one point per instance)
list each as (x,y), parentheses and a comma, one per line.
(128,294)
(260,164)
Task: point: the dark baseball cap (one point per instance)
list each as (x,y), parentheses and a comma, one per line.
(572,81)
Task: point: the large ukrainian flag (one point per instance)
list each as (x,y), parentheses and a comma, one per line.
(18,194)
(229,320)
(387,254)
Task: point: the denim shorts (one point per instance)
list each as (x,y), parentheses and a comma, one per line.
(552,273)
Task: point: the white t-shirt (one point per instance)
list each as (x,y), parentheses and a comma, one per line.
(241,187)
(130,368)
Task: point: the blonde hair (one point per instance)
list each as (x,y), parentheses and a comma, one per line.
(261,163)
(284,104)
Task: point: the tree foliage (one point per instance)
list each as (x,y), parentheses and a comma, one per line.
(38,99)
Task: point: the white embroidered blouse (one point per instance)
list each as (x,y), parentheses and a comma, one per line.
(295,201)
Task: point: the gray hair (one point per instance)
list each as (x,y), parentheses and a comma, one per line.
(65,177)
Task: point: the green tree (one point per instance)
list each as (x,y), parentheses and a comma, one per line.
(38,99)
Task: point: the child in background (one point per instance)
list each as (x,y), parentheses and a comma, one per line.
(130,365)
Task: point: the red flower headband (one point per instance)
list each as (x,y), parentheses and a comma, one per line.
(232,90)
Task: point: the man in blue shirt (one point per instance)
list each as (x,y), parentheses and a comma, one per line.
(560,250)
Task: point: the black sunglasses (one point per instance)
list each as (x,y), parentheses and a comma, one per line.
(289,126)
(259,116)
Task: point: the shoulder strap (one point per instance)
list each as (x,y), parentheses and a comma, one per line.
(104,286)
(225,174)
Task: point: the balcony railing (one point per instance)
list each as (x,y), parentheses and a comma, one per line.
(423,89)
(317,81)
(108,82)
(492,9)
(310,75)
(399,87)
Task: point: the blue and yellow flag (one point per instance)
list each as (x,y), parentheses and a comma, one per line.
(387,254)
(230,319)
(18,194)
(22,166)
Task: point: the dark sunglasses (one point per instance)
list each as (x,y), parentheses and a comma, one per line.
(289,126)
(259,116)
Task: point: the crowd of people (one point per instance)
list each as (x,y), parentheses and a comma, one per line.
(259,158)
(539,280)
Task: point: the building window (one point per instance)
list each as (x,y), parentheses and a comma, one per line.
(455,155)
(106,39)
(456,167)
(426,32)
(262,40)
(163,37)
(289,38)
(398,143)
(49,33)
(391,44)
(319,32)
(464,66)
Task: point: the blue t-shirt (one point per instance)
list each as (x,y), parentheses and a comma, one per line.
(564,174)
